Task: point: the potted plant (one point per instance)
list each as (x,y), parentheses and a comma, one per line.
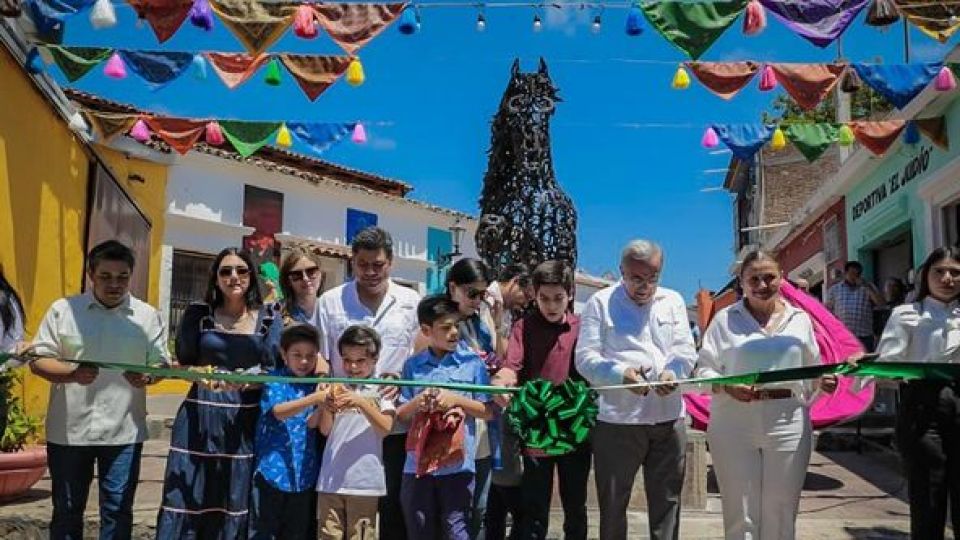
(21,463)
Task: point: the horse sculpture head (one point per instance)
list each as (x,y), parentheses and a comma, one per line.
(527,105)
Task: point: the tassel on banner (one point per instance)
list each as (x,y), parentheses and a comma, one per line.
(710,139)
(778,141)
(103,15)
(284,139)
(911,134)
(212,134)
(882,13)
(355,75)
(634,26)
(681,79)
(273,73)
(201,15)
(768,79)
(409,21)
(34,63)
(199,67)
(945,80)
(140,132)
(851,82)
(359,134)
(305,22)
(754,18)
(845,136)
(115,68)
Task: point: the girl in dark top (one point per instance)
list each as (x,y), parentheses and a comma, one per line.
(11,336)
(210,465)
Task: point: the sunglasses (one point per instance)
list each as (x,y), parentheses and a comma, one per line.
(306,273)
(227,271)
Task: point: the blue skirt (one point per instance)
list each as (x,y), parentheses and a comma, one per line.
(206,488)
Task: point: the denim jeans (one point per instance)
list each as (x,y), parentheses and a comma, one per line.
(71,472)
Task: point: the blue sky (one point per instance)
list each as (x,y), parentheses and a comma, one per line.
(430,98)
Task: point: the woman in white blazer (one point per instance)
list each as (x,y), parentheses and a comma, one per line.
(760,436)
(928,419)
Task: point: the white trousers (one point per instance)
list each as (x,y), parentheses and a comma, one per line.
(760,454)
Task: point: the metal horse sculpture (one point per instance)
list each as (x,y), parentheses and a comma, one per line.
(525,215)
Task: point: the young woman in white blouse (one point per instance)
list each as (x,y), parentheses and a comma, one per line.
(928,422)
(760,436)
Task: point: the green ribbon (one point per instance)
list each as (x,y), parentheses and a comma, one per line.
(553,418)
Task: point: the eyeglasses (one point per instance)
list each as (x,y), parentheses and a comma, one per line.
(306,273)
(473,294)
(643,282)
(227,271)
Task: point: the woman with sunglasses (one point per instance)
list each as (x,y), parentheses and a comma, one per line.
(301,282)
(210,465)
(468,281)
(928,417)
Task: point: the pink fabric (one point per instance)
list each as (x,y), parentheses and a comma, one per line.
(836,345)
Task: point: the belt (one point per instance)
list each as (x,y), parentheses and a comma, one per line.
(776,393)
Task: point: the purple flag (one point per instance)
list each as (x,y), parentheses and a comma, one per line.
(818,21)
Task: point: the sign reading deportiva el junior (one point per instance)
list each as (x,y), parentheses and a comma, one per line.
(911,170)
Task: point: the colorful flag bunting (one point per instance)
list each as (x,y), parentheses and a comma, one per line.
(164,16)
(158,68)
(818,21)
(352,26)
(812,140)
(808,84)
(248,137)
(692,26)
(724,79)
(257,25)
(898,83)
(744,140)
(315,74)
(180,133)
(75,62)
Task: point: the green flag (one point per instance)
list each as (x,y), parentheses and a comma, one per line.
(812,139)
(248,137)
(692,26)
(75,62)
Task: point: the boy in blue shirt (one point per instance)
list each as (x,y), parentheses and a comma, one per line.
(443,494)
(281,500)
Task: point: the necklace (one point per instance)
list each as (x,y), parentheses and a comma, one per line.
(226,322)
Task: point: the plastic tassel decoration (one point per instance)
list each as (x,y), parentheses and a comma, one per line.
(911,135)
(273,73)
(284,139)
(212,134)
(634,21)
(355,76)
(140,132)
(305,22)
(768,79)
(201,15)
(710,139)
(945,80)
(115,68)
(845,137)
(882,13)
(409,21)
(77,123)
(199,67)
(681,79)
(779,140)
(103,15)
(851,81)
(34,63)
(359,134)
(754,18)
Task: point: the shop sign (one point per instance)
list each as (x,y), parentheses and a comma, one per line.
(911,170)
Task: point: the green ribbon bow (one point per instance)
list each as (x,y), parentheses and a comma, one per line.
(553,418)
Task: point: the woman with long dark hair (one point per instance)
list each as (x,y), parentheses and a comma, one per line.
(12,320)
(928,418)
(210,465)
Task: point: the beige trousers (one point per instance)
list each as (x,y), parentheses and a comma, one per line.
(347,517)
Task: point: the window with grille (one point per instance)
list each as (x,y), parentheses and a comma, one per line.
(191,272)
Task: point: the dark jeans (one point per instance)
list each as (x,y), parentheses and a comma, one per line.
(482,480)
(573,470)
(928,436)
(432,501)
(501,501)
(279,515)
(71,472)
(391,513)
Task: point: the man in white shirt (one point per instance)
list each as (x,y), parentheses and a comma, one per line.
(93,417)
(373,299)
(633,332)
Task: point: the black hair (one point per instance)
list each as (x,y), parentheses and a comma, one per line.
(553,273)
(110,250)
(901,289)
(360,336)
(937,255)
(252,297)
(373,239)
(433,308)
(299,333)
(516,270)
(467,270)
(10,305)
(756,256)
(853,264)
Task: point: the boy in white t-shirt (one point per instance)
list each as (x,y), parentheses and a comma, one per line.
(355,419)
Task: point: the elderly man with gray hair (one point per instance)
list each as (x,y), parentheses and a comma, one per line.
(633,332)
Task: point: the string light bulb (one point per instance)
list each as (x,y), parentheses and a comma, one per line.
(537,23)
(595,27)
(481,23)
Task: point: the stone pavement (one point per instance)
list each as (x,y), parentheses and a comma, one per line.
(846,495)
